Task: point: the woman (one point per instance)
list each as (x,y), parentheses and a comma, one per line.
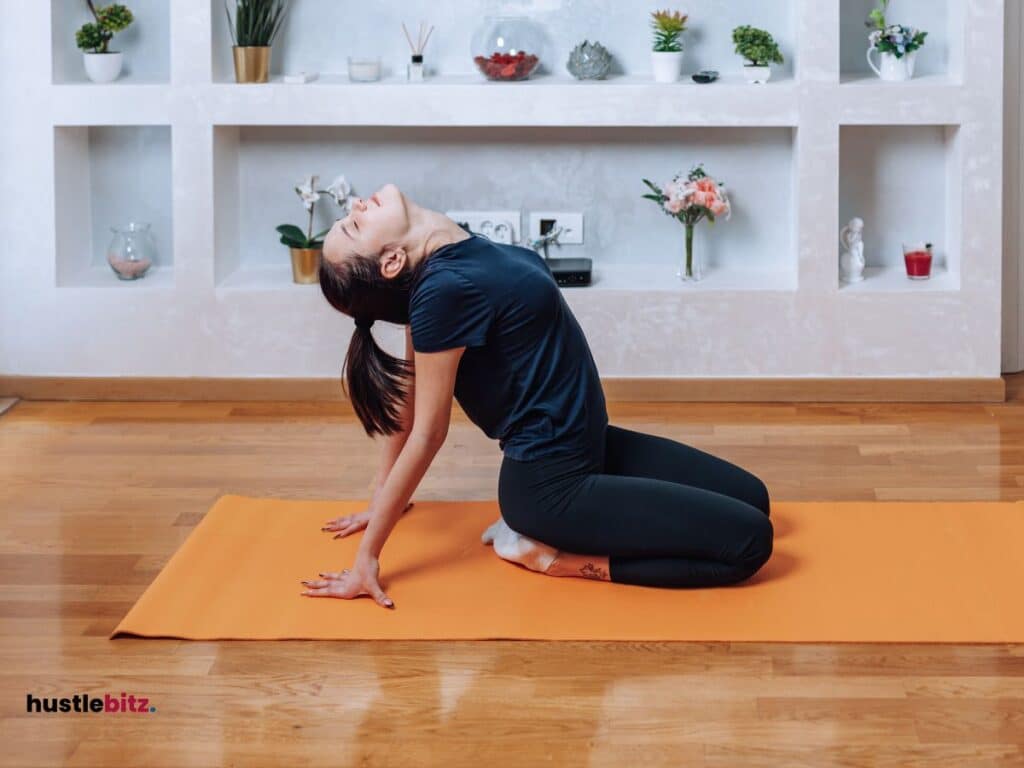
(487,324)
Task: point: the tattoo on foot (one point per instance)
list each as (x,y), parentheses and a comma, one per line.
(591,571)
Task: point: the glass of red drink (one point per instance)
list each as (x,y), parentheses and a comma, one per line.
(918,260)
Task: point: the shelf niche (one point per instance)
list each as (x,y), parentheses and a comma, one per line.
(106,176)
(145,44)
(939,59)
(318,35)
(633,244)
(904,182)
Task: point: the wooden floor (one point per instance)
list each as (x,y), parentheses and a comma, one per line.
(96,497)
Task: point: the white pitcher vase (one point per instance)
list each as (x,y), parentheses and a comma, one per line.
(892,68)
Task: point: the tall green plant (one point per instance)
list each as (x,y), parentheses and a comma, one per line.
(667,27)
(256,22)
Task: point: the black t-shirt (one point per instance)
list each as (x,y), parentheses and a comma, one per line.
(527,377)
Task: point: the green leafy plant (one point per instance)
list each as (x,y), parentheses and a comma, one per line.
(876,19)
(95,36)
(256,22)
(668,26)
(757,46)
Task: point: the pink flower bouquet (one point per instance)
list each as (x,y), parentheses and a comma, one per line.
(691,199)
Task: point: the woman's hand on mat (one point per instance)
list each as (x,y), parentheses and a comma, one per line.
(349,524)
(361,579)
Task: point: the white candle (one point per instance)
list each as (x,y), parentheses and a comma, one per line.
(363,70)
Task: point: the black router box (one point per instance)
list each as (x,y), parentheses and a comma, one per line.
(571,272)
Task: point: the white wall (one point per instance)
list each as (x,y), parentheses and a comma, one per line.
(192,319)
(1013,246)
(595,171)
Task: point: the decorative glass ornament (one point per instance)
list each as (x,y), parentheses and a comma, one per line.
(589,61)
(131,251)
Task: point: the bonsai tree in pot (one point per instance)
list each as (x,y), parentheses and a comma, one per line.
(253,30)
(760,51)
(305,247)
(667,55)
(101,64)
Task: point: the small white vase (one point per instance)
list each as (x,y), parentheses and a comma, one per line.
(892,68)
(755,74)
(666,65)
(102,67)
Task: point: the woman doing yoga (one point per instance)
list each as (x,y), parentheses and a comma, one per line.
(487,324)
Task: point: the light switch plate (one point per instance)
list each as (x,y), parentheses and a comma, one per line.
(500,226)
(573,221)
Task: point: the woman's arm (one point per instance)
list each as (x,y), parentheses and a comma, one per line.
(393,443)
(435,387)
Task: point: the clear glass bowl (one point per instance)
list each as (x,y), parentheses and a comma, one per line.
(131,251)
(507,47)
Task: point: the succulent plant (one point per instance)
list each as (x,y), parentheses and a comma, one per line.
(589,61)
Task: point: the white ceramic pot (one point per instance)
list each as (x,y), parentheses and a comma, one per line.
(666,65)
(892,68)
(757,74)
(102,67)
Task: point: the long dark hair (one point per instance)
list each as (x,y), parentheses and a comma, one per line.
(377,381)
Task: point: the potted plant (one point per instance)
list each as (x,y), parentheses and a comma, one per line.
(759,50)
(897,45)
(253,30)
(691,199)
(667,55)
(101,64)
(305,247)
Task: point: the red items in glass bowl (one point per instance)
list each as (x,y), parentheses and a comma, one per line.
(507,66)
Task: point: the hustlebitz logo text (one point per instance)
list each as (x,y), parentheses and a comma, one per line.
(106,703)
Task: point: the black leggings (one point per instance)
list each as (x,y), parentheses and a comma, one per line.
(666,514)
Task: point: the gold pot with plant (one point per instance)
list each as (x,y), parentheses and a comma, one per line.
(253,30)
(305,247)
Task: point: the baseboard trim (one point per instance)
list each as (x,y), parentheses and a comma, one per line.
(617,389)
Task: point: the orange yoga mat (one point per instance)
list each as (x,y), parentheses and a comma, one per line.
(840,572)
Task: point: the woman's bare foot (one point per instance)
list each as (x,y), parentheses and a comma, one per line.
(537,556)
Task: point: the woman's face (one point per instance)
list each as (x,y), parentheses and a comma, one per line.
(374,226)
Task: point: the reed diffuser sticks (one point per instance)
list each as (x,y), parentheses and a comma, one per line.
(421,39)
(415,72)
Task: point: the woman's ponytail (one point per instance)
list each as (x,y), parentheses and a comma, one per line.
(377,382)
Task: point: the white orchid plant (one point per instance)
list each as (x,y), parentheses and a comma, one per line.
(339,190)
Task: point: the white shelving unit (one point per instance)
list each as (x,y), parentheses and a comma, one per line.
(800,155)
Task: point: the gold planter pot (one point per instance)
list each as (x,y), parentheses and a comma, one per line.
(305,264)
(252,63)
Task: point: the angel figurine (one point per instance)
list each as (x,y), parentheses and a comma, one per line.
(851,262)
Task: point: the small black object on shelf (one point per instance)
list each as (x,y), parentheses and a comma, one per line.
(571,272)
(568,272)
(705,76)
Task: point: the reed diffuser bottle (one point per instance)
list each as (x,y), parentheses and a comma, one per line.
(414,73)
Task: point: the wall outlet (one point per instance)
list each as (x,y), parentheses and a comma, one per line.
(541,222)
(499,226)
